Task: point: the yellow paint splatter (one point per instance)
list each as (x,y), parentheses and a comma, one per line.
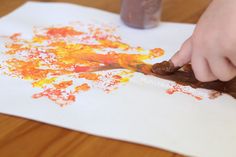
(57,59)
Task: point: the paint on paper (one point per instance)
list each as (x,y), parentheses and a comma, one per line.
(63,61)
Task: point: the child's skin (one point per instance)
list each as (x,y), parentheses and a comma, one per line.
(212,47)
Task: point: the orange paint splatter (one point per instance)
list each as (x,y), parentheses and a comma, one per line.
(57,59)
(60,97)
(177,88)
(64,61)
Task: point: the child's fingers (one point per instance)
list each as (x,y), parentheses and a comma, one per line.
(201,68)
(183,56)
(222,68)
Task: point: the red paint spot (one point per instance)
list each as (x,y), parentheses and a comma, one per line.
(81,69)
(117,77)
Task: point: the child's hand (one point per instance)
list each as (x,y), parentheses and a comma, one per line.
(212,47)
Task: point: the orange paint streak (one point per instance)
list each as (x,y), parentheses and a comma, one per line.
(83,87)
(89,76)
(15,36)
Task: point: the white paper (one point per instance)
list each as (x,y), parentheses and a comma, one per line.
(138,111)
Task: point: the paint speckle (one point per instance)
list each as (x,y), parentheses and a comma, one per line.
(179,89)
(63,61)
